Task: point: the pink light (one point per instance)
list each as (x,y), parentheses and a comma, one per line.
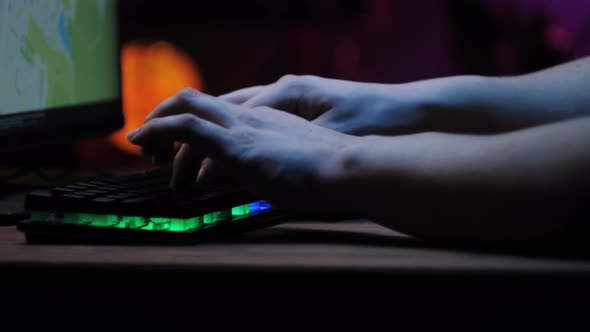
(558,38)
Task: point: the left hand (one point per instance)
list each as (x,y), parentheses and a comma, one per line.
(284,158)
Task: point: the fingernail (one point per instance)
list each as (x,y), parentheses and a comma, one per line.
(132,134)
(200,176)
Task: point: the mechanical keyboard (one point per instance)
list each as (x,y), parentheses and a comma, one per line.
(142,208)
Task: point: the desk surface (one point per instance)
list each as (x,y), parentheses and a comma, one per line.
(356,246)
(332,272)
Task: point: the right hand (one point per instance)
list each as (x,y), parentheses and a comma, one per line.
(353,108)
(348,107)
(286,159)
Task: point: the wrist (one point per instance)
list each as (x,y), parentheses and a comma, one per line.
(333,177)
(345,179)
(375,171)
(461,104)
(451,104)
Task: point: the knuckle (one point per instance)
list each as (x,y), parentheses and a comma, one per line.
(186,95)
(287,78)
(155,122)
(188,91)
(291,82)
(309,78)
(242,135)
(248,117)
(149,127)
(244,115)
(241,141)
(188,123)
(261,108)
(260,115)
(190,120)
(147,130)
(294,82)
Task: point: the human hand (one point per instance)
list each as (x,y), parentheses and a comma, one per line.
(349,107)
(280,156)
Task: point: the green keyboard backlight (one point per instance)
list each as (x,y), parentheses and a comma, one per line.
(156,223)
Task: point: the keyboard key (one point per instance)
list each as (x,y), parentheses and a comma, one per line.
(84,193)
(76,187)
(104,200)
(96,183)
(95,191)
(106,188)
(62,190)
(133,200)
(123,196)
(73,196)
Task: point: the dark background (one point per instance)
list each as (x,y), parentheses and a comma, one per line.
(248,42)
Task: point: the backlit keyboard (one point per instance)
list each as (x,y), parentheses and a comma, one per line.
(142,207)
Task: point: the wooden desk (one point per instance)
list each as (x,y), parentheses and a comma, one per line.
(336,269)
(348,246)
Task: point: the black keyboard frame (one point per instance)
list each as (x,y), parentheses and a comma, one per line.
(46,232)
(195,201)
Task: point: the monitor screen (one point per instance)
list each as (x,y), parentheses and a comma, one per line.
(60,69)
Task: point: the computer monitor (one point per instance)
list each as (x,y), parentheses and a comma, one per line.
(60,73)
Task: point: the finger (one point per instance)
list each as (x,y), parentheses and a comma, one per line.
(326,120)
(186,128)
(207,107)
(240,96)
(333,121)
(267,98)
(159,155)
(283,99)
(160,152)
(212,171)
(186,166)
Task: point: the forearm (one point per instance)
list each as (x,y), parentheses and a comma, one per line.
(477,104)
(524,186)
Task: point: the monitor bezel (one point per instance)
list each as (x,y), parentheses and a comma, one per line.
(36,129)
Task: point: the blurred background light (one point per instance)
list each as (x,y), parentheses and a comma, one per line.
(151,73)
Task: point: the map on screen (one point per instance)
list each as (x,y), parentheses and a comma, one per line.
(57,53)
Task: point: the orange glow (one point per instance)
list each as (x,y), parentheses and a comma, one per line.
(151,73)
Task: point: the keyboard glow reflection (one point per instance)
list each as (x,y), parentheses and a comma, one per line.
(155,223)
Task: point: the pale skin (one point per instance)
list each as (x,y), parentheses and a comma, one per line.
(480,160)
